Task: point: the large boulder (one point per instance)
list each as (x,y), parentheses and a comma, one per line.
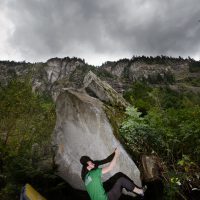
(82,128)
(103,91)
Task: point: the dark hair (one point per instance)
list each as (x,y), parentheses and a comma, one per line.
(84,160)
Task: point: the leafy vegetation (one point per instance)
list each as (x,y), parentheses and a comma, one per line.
(194,66)
(165,122)
(194,81)
(159,59)
(26,124)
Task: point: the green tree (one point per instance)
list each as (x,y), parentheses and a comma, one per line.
(26,124)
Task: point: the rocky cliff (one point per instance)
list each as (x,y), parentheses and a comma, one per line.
(70,72)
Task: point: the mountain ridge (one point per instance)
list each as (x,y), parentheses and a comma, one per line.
(69,72)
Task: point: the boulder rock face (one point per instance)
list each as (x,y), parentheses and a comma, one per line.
(152,168)
(103,91)
(82,128)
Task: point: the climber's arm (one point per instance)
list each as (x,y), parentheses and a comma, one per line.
(104,161)
(112,163)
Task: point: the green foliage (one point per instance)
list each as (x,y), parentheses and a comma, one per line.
(194,66)
(169,127)
(179,129)
(138,95)
(137,133)
(134,120)
(164,60)
(171,190)
(116,117)
(173,135)
(194,81)
(103,74)
(26,124)
(145,98)
(186,163)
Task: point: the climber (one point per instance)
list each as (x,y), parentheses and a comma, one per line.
(91,176)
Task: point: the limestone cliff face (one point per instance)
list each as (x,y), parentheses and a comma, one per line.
(58,68)
(143,71)
(47,77)
(56,73)
(140,70)
(82,128)
(116,68)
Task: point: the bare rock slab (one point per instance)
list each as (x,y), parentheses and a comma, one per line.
(82,128)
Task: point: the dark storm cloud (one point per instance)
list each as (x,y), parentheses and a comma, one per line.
(47,28)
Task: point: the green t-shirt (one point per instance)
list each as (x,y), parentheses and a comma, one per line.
(94,185)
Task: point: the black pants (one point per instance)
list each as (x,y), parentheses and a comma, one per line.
(115,184)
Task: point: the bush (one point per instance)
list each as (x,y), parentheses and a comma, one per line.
(173,135)
(26,124)
(194,66)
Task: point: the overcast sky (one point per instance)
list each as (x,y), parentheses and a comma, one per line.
(98,30)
